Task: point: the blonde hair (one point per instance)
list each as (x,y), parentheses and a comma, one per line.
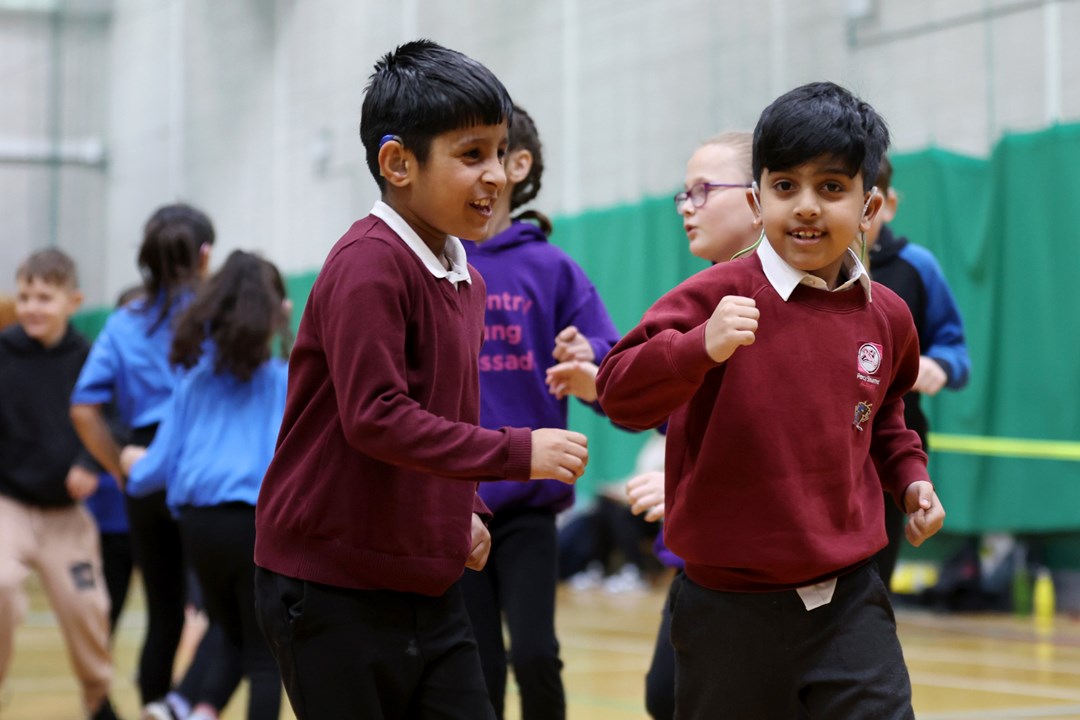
(743,145)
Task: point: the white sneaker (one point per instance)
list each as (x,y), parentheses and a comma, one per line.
(627,580)
(588,579)
(159,710)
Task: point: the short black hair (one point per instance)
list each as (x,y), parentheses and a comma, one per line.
(421,90)
(820,119)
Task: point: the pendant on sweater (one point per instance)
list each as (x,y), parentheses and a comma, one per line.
(862,414)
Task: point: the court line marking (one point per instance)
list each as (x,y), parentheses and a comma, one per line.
(1057,711)
(996,686)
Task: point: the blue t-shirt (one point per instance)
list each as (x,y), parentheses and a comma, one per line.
(107,506)
(216,437)
(129,363)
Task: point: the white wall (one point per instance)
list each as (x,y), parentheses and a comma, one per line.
(228,103)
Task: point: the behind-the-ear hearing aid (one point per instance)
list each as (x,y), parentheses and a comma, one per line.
(755,198)
(873,192)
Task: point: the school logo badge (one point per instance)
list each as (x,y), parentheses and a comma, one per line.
(869,358)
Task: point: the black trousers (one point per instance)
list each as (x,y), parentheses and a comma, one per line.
(156,547)
(219,542)
(117,565)
(660,680)
(372,654)
(518,582)
(764,656)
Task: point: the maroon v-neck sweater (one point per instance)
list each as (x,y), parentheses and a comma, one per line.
(373,482)
(771,455)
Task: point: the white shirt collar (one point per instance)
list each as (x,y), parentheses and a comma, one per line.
(454,250)
(784,278)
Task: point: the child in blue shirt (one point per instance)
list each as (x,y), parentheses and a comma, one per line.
(129,366)
(913,273)
(214,444)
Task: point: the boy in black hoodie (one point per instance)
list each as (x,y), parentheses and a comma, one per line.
(42,523)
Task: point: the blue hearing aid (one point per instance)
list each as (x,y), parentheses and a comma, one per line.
(387,138)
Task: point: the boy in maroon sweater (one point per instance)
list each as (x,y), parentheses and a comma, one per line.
(368,514)
(783,373)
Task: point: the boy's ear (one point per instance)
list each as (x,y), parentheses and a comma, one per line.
(395,163)
(204,259)
(75,299)
(518,164)
(888,210)
(873,206)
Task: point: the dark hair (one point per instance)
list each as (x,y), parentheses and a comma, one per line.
(523,136)
(816,120)
(884,176)
(169,254)
(239,308)
(52,266)
(421,90)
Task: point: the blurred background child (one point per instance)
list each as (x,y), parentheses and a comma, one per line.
(43,527)
(912,272)
(718,223)
(540,307)
(129,365)
(212,450)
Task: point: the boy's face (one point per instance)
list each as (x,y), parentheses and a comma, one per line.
(44,308)
(724,225)
(454,191)
(812,213)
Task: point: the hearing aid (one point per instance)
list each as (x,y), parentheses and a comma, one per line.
(873,192)
(754,197)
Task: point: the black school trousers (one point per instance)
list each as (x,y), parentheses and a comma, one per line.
(373,654)
(765,656)
(518,583)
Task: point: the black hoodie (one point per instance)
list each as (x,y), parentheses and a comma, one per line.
(38,444)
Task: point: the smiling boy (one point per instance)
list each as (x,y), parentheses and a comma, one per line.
(369,514)
(783,373)
(43,527)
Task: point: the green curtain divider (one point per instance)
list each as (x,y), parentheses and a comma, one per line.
(1002,229)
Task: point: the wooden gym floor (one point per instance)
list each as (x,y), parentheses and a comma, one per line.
(963,667)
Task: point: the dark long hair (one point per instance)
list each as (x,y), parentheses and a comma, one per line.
(523,136)
(240,309)
(170,253)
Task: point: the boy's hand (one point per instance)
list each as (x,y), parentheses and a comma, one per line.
(572,345)
(130,455)
(81,483)
(734,323)
(646,493)
(559,454)
(925,512)
(574,377)
(481,544)
(931,377)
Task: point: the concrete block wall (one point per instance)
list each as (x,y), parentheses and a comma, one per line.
(250,108)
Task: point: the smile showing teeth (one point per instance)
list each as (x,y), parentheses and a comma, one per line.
(806,234)
(483,204)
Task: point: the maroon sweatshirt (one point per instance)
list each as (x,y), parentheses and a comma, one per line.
(373,483)
(769,483)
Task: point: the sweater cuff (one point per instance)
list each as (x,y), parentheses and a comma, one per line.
(688,354)
(519,459)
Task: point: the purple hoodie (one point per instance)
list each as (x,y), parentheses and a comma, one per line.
(534,291)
